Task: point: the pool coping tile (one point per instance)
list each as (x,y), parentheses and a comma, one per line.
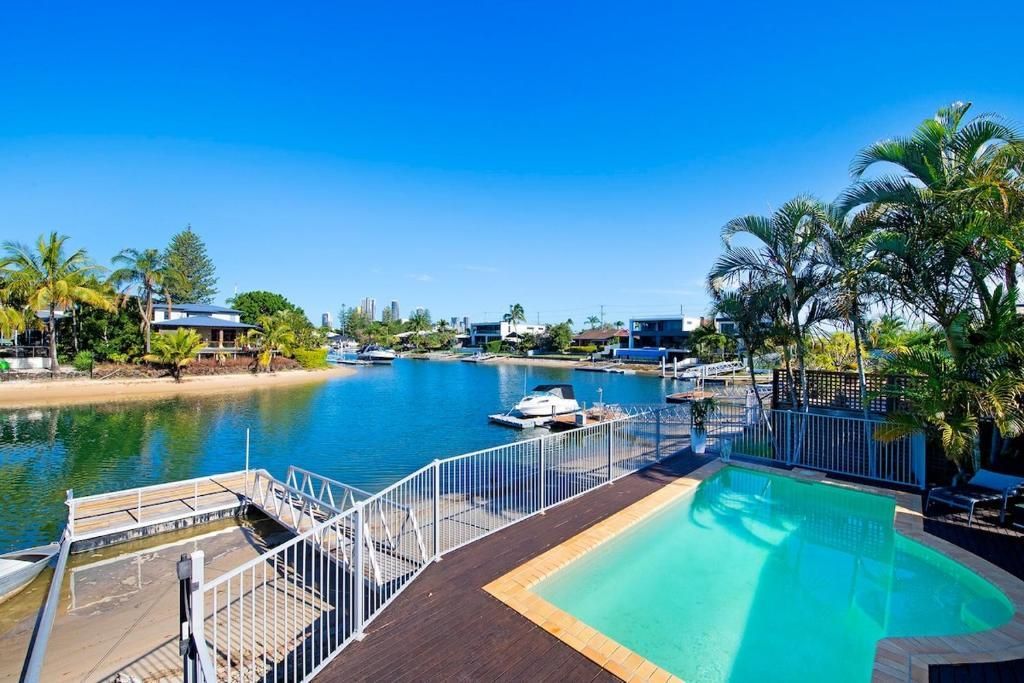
(896,659)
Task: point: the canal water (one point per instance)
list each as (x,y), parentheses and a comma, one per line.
(368,430)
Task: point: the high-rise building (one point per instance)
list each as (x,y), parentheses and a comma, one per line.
(395,313)
(465,324)
(325,320)
(455,323)
(370,307)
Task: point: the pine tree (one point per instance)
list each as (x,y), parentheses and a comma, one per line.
(194,277)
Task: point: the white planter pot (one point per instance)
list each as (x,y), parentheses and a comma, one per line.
(698,440)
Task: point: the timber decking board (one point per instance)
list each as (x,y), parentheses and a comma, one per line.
(445,627)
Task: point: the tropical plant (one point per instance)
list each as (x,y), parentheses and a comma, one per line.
(559,336)
(751,309)
(946,221)
(273,336)
(146,271)
(48,279)
(516,314)
(175,350)
(787,253)
(701,410)
(593,321)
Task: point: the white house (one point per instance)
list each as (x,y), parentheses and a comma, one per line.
(482,333)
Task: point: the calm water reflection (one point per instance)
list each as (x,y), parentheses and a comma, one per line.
(368,430)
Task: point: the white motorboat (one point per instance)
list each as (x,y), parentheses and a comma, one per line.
(375,354)
(548,399)
(17,569)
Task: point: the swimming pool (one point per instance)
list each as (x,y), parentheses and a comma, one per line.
(758,576)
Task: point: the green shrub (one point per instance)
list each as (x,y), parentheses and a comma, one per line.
(312,359)
(83,361)
(493,346)
(589,348)
(118,358)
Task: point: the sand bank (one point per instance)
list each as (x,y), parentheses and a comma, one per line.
(44,392)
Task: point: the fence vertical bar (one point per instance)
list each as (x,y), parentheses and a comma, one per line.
(541,485)
(70,502)
(357,565)
(611,447)
(657,434)
(138,508)
(437,510)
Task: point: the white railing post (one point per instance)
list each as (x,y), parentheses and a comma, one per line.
(611,448)
(358,616)
(657,434)
(138,508)
(541,483)
(70,502)
(197,616)
(437,510)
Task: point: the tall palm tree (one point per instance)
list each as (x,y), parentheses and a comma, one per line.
(516,314)
(146,271)
(48,279)
(593,321)
(949,217)
(787,254)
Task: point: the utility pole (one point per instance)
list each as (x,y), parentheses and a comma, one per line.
(602,315)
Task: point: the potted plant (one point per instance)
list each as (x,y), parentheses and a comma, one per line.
(699,413)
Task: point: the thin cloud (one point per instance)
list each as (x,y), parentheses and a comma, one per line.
(421,277)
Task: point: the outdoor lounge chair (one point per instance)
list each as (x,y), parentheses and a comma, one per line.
(983,487)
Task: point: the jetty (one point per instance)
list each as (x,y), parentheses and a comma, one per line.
(517,422)
(479,358)
(616,368)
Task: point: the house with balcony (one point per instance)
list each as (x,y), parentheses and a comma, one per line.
(221,328)
(483,333)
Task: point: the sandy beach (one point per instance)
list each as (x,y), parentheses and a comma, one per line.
(25,394)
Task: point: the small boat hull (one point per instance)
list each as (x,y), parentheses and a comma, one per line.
(18,569)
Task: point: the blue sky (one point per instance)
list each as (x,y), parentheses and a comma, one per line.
(464,156)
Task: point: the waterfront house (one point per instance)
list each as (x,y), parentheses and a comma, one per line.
(602,337)
(221,328)
(483,333)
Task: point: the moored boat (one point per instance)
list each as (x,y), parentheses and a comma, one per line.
(378,355)
(17,569)
(548,399)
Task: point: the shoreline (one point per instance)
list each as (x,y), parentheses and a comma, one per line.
(43,393)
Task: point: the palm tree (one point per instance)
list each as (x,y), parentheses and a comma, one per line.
(593,321)
(787,255)
(274,335)
(176,350)
(515,315)
(950,217)
(47,278)
(147,272)
(751,309)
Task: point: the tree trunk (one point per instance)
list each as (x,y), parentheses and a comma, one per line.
(51,324)
(147,319)
(801,366)
(789,375)
(1010,275)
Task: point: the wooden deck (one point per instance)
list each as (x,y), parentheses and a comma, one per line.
(1003,547)
(446,628)
(111,513)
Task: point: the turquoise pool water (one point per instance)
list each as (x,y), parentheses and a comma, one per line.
(760,577)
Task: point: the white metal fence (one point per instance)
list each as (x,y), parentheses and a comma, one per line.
(286,614)
(836,444)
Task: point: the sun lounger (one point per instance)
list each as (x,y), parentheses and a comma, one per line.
(983,487)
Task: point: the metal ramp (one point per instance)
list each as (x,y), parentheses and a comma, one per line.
(393,540)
